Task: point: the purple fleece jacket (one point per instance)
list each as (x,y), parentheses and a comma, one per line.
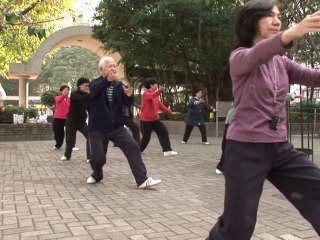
(255,73)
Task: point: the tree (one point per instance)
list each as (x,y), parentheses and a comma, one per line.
(65,66)
(23,24)
(181,42)
(47,98)
(307,49)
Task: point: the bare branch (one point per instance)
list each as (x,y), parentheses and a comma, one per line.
(28,9)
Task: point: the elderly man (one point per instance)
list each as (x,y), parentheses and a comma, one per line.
(108,96)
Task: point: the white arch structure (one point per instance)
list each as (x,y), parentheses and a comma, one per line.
(70,36)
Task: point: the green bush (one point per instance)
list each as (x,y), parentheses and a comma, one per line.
(172,117)
(303,112)
(47,98)
(7,115)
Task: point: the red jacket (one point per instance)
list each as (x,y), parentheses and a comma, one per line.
(62,106)
(150,106)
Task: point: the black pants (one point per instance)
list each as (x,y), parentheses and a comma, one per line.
(161,131)
(71,133)
(99,147)
(246,166)
(223,147)
(134,128)
(58,131)
(189,129)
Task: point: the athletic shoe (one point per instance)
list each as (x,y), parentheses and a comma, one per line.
(64,158)
(169,153)
(91,180)
(183,142)
(88,160)
(149,183)
(218,171)
(75,149)
(205,143)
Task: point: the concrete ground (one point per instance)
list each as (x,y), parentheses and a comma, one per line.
(45,198)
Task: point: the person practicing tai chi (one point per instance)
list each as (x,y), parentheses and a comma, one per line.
(256,147)
(107,98)
(195,116)
(62,104)
(77,117)
(149,118)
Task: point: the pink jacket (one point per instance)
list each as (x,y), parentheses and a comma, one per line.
(62,106)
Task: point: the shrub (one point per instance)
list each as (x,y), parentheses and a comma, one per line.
(304,112)
(172,117)
(7,115)
(47,98)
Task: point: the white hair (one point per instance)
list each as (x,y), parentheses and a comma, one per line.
(104,60)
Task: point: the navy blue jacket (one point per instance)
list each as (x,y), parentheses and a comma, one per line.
(105,117)
(195,115)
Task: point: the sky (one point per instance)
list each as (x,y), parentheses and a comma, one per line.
(86,7)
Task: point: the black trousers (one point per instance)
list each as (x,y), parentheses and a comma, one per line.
(189,129)
(58,131)
(99,147)
(246,166)
(161,131)
(134,128)
(223,147)
(71,133)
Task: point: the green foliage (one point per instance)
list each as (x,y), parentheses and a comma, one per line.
(39,32)
(23,25)
(47,97)
(180,42)
(307,49)
(172,117)
(305,112)
(13,18)
(7,115)
(65,66)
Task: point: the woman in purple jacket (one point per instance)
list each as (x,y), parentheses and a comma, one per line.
(257,147)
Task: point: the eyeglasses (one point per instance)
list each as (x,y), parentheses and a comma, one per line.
(85,85)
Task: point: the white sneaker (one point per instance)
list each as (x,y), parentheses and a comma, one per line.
(75,149)
(64,158)
(149,183)
(205,143)
(91,180)
(55,148)
(169,153)
(218,171)
(183,142)
(88,160)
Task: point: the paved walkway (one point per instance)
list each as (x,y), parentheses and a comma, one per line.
(45,198)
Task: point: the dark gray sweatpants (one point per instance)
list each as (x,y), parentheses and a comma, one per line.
(99,146)
(246,166)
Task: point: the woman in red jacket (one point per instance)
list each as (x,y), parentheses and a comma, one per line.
(62,104)
(149,118)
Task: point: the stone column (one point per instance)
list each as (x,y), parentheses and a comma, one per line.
(23,92)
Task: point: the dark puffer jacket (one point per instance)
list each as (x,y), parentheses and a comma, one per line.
(195,115)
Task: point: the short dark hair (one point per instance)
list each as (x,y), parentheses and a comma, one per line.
(147,84)
(63,87)
(195,91)
(82,80)
(246,25)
